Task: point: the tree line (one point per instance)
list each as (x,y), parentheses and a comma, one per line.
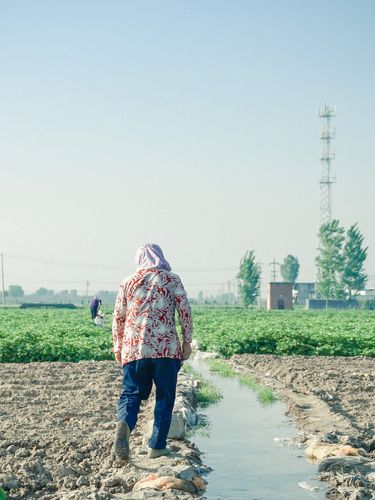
(340,265)
(17,294)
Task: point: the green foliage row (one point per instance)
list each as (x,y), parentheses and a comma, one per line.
(28,335)
(326,333)
(69,335)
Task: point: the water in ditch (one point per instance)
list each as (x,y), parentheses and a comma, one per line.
(244,445)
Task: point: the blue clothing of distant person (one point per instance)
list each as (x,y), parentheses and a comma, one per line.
(94,306)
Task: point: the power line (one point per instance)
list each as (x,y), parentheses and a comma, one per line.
(114,283)
(94,282)
(63,263)
(106,267)
(52,280)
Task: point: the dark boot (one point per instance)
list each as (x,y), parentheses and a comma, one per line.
(122,440)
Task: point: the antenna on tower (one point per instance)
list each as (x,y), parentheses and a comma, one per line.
(327,133)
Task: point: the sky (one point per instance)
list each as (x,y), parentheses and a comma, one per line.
(190,124)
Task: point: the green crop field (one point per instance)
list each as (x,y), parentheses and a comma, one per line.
(333,333)
(52,335)
(69,335)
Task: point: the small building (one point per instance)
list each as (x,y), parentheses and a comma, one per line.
(304,291)
(279,296)
(369,293)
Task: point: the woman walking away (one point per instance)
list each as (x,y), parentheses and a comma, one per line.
(146,345)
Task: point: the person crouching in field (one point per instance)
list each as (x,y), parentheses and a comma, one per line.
(94,306)
(146,345)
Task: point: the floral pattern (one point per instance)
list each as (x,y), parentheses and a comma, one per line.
(144,316)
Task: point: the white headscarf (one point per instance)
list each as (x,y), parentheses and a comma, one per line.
(151,256)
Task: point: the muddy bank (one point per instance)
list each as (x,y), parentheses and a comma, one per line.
(57,423)
(332,400)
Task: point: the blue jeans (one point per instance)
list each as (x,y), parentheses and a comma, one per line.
(138,378)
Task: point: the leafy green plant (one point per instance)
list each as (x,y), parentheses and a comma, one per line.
(206,392)
(264,394)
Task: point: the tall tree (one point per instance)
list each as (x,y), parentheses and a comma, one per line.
(353,276)
(289,269)
(330,261)
(249,275)
(15,291)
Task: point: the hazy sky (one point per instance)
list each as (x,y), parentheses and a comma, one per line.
(192,124)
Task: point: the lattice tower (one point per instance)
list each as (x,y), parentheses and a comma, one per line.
(327,178)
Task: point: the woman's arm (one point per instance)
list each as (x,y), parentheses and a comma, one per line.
(118,324)
(184,317)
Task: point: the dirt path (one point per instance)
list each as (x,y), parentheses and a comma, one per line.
(57,422)
(57,425)
(331,399)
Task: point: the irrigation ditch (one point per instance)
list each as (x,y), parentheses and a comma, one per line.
(246,440)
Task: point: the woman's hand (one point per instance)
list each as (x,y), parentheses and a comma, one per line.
(186,350)
(118,357)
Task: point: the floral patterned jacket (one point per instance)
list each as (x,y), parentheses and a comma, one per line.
(144,316)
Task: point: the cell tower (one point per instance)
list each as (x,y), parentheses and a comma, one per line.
(327,133)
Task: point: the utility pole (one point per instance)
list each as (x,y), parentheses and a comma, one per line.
(87,290)
(2,277)
(274,272)
(259,264)
(235,291)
